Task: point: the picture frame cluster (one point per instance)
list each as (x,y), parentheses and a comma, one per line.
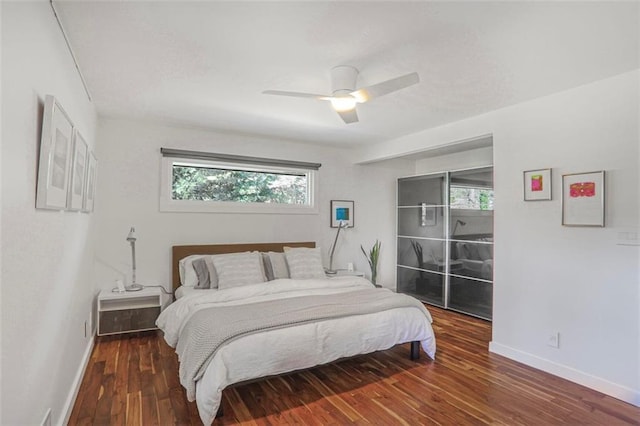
(67,167)
(583,195)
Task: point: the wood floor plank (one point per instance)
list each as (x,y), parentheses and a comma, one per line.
(133,380)
(91,392)
(337,400)
(110,356)
(240,409)
(165,412)
(105,399)
(134,409)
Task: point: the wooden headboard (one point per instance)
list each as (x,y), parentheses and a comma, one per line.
(180,252)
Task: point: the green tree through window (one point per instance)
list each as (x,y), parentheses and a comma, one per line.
(245,186)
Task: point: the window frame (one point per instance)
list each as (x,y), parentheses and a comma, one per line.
(168,204)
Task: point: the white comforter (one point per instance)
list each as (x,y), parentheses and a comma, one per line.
(292,348)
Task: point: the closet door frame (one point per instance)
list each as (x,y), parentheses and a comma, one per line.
(448,239)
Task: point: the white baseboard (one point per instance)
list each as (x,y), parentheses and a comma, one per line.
(77,381)
(623,393)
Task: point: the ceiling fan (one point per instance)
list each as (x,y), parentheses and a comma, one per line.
(345,96)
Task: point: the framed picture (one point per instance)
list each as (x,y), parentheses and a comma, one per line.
(90,184)
(75,199)
(537,185)
(583,199)
(55,157)
(427,214)
(341,211)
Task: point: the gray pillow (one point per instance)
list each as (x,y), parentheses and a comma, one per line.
(202,271)
(268,269)
(278,265)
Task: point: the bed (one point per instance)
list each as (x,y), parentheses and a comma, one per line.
(295,318)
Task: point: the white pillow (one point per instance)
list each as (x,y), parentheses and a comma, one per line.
(237,269)
(304,262)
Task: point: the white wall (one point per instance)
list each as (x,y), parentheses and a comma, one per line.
(467,159)
(577,281)
(46,255)
(129,187)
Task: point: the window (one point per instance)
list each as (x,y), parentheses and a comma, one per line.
(211,183)
(217,183)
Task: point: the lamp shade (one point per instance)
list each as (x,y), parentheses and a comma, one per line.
(132,234)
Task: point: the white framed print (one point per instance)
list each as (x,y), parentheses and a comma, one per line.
(55,157)
(342,213)
(583,199)
(75,199)
(537,185)
(90,183)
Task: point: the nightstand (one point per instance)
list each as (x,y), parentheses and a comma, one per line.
(129,311)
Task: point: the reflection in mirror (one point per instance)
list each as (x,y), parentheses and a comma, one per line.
(426,286)
(472,259)
(471,189)
(410,222)
(479,178)
(471,201)
(471,296)
(413,191)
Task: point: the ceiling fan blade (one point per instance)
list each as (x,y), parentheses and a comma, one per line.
(296,94)
(367,93)
(349,116)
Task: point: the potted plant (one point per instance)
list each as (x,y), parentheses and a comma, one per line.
(373,257)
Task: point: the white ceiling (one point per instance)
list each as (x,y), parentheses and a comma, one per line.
(205,64)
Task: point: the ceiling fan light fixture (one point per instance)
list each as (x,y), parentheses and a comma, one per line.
(343,103)
(345,96)
(360,96)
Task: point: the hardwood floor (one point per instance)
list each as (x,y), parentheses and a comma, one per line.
(133,380)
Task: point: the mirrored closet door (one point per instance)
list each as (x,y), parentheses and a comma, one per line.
(445,239)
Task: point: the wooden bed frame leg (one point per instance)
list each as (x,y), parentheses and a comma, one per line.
(415,350)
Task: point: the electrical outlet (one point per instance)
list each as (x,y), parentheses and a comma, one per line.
(554,340)
(47,418)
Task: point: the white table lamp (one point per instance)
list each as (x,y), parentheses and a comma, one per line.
(341,224)
(132,240)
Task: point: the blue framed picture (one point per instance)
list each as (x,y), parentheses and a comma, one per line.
(342,213)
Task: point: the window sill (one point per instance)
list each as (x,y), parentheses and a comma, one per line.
(221,207)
